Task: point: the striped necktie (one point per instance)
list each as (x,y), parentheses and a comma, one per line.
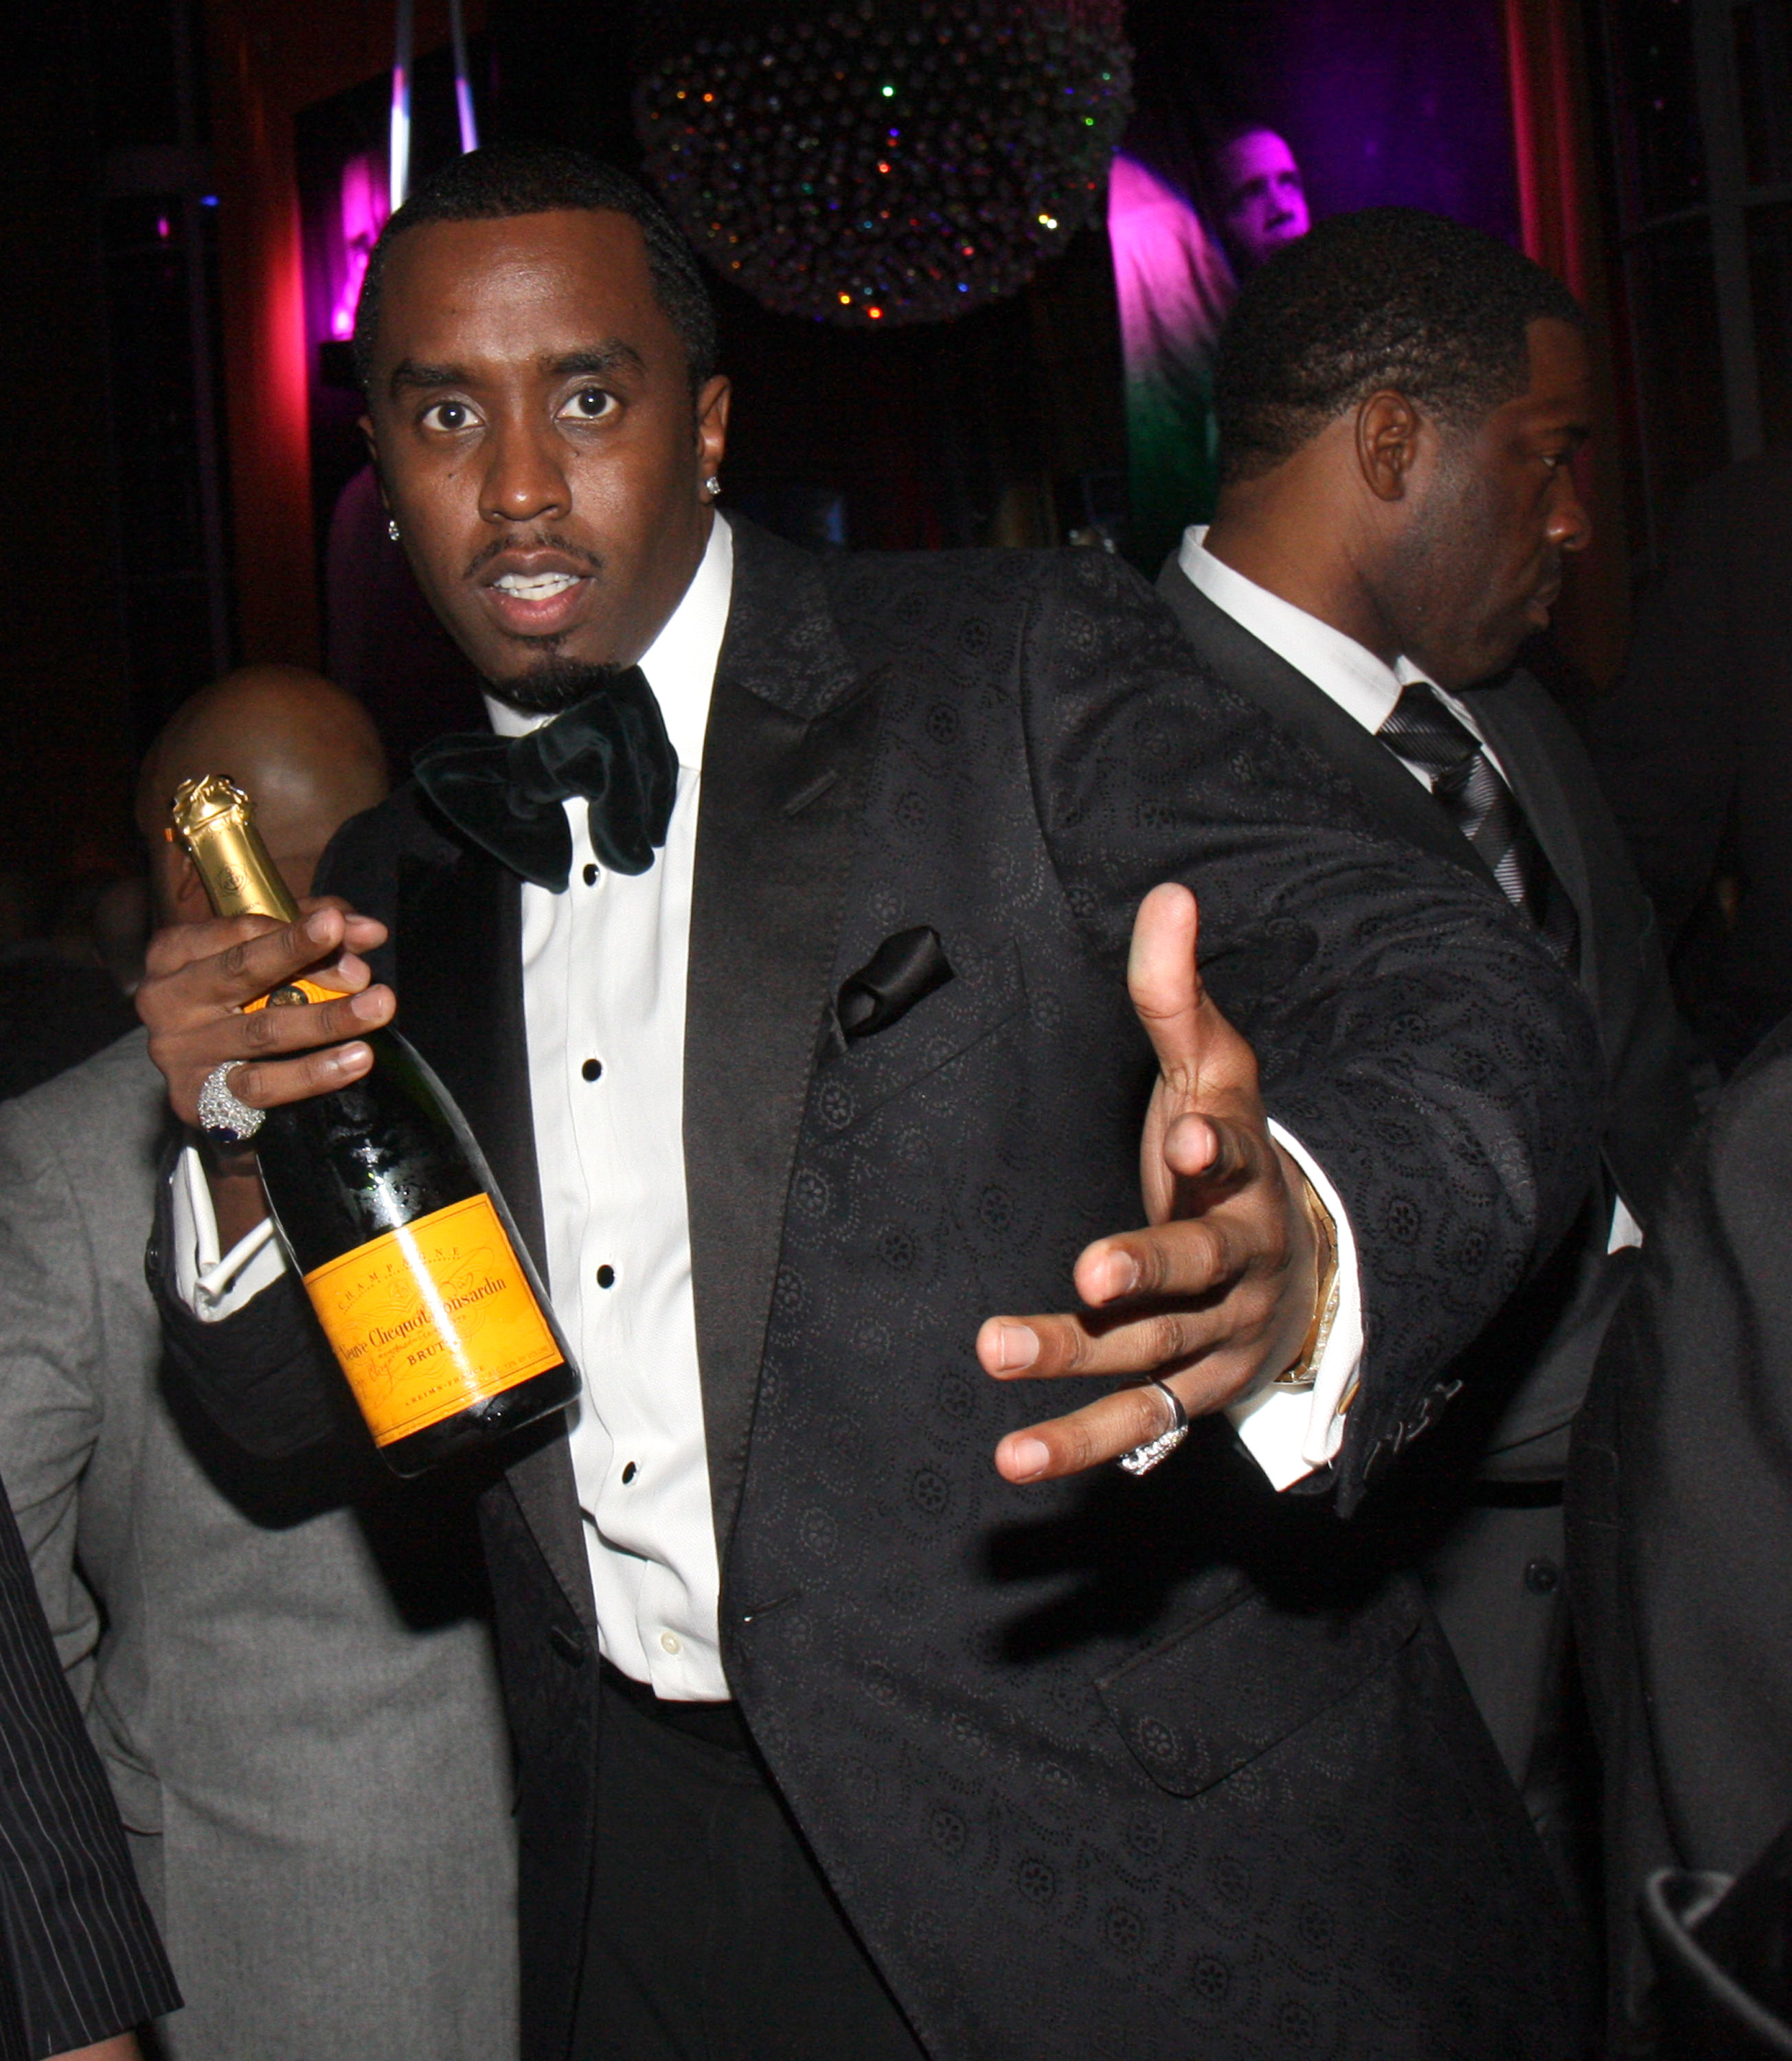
(1465,781)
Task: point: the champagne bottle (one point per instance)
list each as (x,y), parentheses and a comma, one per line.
(389,1212)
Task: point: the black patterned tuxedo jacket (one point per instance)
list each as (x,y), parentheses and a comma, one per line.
(1106,1767)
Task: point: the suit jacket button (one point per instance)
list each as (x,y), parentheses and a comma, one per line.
(568,1644)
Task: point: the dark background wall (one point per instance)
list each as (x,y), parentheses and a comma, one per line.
(67,675)
(172,437)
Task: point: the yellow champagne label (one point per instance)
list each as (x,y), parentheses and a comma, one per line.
(432,1318)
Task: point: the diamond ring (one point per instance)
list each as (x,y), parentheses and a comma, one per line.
(225,1118)
(1142,1458)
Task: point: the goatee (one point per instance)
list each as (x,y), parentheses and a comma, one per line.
(553,684)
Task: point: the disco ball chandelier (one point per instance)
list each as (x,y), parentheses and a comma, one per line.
(891,161)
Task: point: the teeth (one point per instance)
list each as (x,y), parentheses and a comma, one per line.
(540,587)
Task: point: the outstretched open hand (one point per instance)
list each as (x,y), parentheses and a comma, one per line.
(1219,1288)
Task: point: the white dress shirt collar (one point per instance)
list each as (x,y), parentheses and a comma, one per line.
(1352,675)
(680,663)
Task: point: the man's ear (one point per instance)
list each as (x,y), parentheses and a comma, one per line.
(1388,427)
(369,438)
(713,397)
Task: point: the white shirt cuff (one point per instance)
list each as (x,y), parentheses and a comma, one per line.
(1290,1431)
(211,1286)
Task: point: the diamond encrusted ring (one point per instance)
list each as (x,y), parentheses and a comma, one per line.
(1142,1458)
(225,1119)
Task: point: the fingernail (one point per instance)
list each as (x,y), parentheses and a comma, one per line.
(317,925)
(350,1059)
(1119,1273)
(1015,1347)
(1028,1458)
(369,1005)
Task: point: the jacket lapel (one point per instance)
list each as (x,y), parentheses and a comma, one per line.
(1296,706)
(790,727)
(459,978)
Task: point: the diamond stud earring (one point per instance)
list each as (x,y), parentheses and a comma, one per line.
(392,529)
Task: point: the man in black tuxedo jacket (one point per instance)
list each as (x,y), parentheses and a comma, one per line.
(834,1740)
(1400,400)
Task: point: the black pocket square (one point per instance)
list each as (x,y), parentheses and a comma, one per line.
(901,972)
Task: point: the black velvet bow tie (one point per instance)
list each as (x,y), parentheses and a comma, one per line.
(506,793)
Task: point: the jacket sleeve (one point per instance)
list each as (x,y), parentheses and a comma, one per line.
(51,1347)
(1408,1029)
(264,1375)
(81,1952)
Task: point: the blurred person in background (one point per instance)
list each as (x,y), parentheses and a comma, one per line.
(59,998)
(1257,196)
(1186,222)
(286,1669)
(1173,288)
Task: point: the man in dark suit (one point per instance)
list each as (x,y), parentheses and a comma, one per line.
(833,1740)
(1695,748)
(1680,1516)
(1400,400)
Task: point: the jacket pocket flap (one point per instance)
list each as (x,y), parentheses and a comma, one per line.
(1212,1698)
(987,988)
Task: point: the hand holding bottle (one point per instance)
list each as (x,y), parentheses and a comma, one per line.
(199,975)
(379,1191)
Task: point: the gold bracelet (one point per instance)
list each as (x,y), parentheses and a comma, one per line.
(1325,1293)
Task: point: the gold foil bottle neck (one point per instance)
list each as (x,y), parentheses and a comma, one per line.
(213,820)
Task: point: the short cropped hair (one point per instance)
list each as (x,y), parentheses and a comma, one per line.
(508,179)
(1389,298)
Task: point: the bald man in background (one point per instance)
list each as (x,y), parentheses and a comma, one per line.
(306,752)
(287,1674)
